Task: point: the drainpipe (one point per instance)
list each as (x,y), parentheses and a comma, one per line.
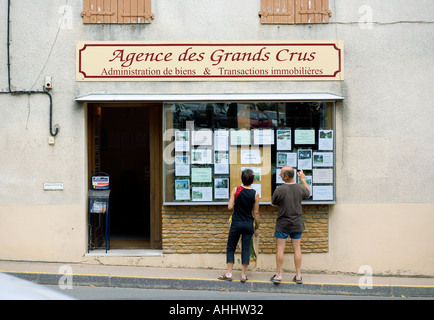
(25,92)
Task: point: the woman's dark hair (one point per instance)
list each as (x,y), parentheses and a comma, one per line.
(247,177)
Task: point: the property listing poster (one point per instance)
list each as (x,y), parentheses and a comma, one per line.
(202,160)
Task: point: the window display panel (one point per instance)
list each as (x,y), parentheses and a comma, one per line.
(207,145)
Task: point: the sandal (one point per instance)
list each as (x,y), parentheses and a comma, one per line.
(223,277)
(297,281)
(244,280)
(274,280)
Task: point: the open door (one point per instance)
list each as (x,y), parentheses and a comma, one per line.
(125,142)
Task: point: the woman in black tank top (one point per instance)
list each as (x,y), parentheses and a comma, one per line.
(243,201)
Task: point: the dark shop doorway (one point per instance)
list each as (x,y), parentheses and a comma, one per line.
(122,147)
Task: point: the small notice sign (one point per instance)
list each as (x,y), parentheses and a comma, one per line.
(100,182)
(53,186)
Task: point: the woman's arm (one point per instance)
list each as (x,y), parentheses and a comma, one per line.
(232,199)
(256,208)
(256,214)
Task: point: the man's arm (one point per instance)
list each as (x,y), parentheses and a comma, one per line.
(301,176)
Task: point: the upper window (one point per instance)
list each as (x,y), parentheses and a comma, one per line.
(117,11)
(294,11)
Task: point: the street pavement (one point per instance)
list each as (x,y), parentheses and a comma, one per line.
(76,274)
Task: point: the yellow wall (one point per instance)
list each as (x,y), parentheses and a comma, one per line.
(43,232)
(390,238)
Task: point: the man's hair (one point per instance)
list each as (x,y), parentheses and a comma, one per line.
(247,177)
(289,173)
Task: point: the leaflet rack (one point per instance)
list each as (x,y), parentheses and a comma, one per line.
(99,203)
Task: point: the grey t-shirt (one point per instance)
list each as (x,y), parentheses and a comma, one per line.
(288,198)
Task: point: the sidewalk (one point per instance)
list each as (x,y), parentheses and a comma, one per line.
(206,279)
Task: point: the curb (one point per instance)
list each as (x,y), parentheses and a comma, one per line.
(219,285)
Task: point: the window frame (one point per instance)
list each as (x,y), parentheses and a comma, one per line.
(116,11)
(273,168)
(293,12)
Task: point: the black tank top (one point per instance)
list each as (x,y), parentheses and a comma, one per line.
(243,205)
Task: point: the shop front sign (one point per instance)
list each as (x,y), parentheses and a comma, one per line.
(209,61)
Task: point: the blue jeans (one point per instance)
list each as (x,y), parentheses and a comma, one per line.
(245,230)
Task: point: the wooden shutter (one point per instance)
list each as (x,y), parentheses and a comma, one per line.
(294,11)
(117,11)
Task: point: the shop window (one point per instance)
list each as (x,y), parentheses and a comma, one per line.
(207,145)
(117,11)
(294,11)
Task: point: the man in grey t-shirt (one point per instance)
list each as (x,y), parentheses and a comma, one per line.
(289,222)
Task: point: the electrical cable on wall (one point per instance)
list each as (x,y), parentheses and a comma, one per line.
(10,91)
